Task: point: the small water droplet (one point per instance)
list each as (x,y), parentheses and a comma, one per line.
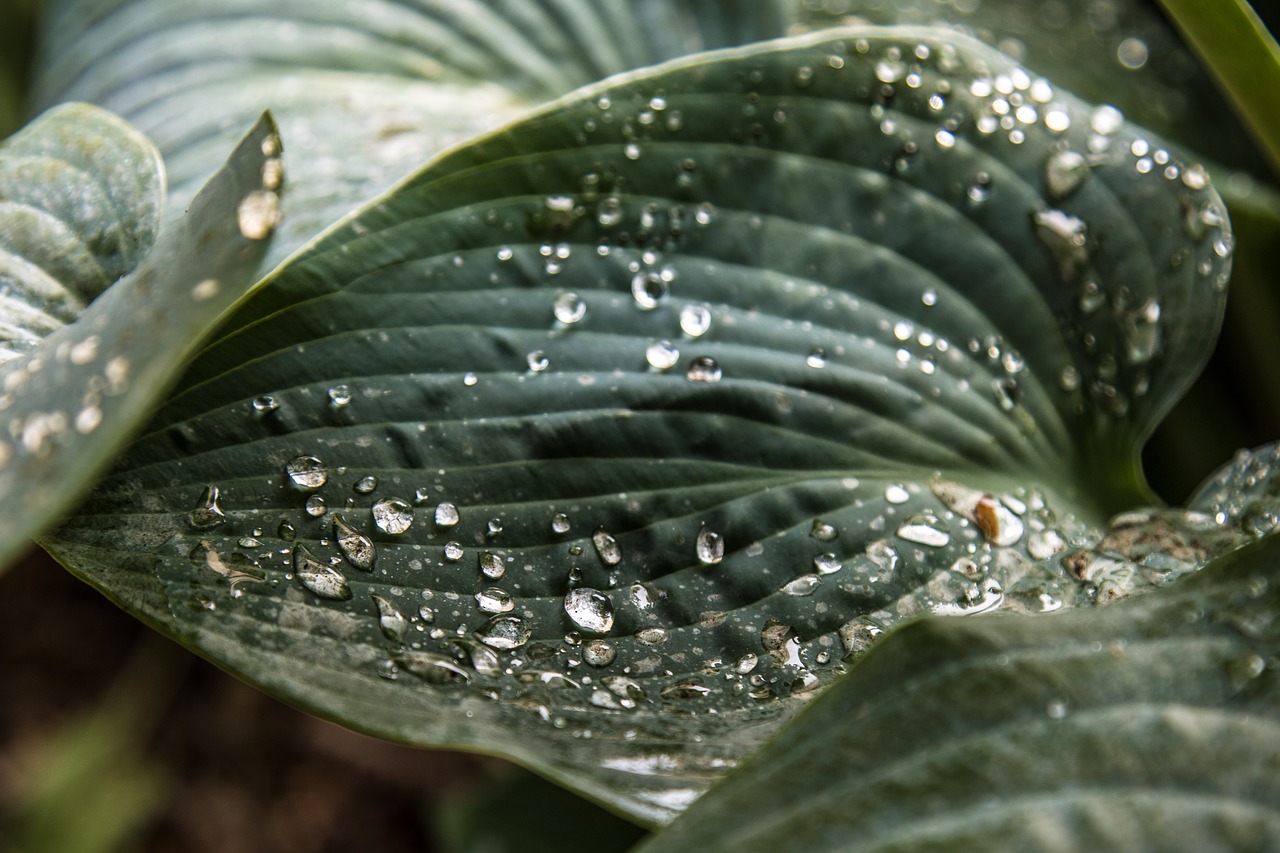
(817,358)
(1056,709)
(569,308)
(1064,172)
(1065,237)
(365,485)
(315,506)
(321,578)
(491,565)
(827,563)
(537,361)
(704,369)
(695,320)
(589,610)
(1106,120)
(651,636)
(339,396)
(709,546)
(446,514)
(390,619)
(607,547)
(355,546)
(662,355)
(560,523)
(495,600)
(1132,53)
(307,472)
(259,214)
(858,635)
(599,653)
(392,515)
(896,494)
(453,551)
(803,585)
(265,404)
(286,531)
(822,531)
(648,288)
(207,513)
(924,529)
(505,633)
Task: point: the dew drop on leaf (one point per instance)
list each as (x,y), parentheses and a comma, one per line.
(390,619)
(924,529)
(896,494)
(307,472)
(709,547)
(392,515)
(446,514)
(505,633)
(827,563)
(695,320)
(662,355)
(315,506)
(589,610)
(321,578)
(599,653)
(560,523)
(265,404)
(569,308)
(822,531)
(365,485)
(648,288)
(803,585)
(607,547)
(495,600)
(355,546)
(491,565)
(1064,172)
(207,513)
(704,369)
(339,396)
(452,551)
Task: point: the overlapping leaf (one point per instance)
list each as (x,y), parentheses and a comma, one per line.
(71,402)
(639,415)
(1153,724)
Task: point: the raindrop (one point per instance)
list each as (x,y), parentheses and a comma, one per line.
(704,369)
(453,552)
(259,214)
(923,529)
(890,70)
(495,600)
(822,531)
(896,494)
(446,514)
(307,472)
(609,212)
(1044,544)
(560,523)
(1106,120)
(817,358)
(1064,172)
(1065,238)
(827,563)
(365,485)
(589,610)
(286,531)
(265,404)
(207,514)
(746,663)
(858,635)
(1132,53)
(648,288)
(504,633)
(537,361)
(695,320)
(392,516)
(569,308)
(653,636)
(803,585)
(599,653)
(709,546)
(390,619)
(355,546)
(491,565)
(662,355)
(315,506)
(339,396)
(321,578)
(607,547)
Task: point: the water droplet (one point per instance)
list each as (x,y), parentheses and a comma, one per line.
(537,361)
(709,546)
(355,546)
(607,547)
(822,531)
(207,513)
(1064,172)
(1065,238)
(1056,709)
(392,515)
(569,308)
(746,663)
(259,214)
(1043,544)
(505,633)
(493,528)
(695,320)
(491,565)
(390,619)
(432,668)
(265,404)
(1106,120)
(817,358)
(446,514)
(924,529)
(648,288)
(495,600)
(652,636)
(609,212)
(339,396)
(365,485)
(704,369)
(453,552)
(307,472)
(599,653)
(827,563)
(1245,668)
(997,522)
(858,635)
(890,70)
(315,506)
(1132,53)
(589,610)
(560,523)
(321,578)
(803,585)
(896,494)
(286,531)
(662,355)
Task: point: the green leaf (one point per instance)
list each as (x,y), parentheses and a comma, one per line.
(365,91)
(81,194)
(1150,725)
(72,402)
(764,350)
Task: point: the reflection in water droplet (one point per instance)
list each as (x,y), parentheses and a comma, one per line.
(392,515)
(390,619)
(321,578)
(207,513)
(307,472)
(695,320)
(265,404)
(495,600)
(709,547)
(607,547)
(491,565)
(505,633)
(662,355)
(355,546)
(339,396)
(286,531)
(453,551)
(315,506)
(569,308)
(704,369)
(537,361)
(827,563)
(924,529)
(446,514)
(560,523)
(589,610)
(648,288)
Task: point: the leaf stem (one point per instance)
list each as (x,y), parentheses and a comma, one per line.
(1234,43)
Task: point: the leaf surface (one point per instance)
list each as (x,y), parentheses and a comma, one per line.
(601,442)
(1153,724)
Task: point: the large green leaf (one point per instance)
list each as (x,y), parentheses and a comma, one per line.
(364,91)
(71,402)
(1151,725)
(81,193)
(733,363)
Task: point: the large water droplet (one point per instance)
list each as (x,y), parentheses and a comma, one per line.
(505,633)
(569,308)
(321,578)
(392,516)
(307,472)
(495,600)
(599,653)
(607,547)
(446,514)
(491,565)
(662,355)
(648,288)
(207,513)
(355,546)
(924,529)
(589,610)
(709,547)
(453,551)
(1106,120)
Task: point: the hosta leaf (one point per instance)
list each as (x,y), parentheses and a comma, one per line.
(81,194)
(600,442)
(365,91)
(70,403)
(1150,725)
